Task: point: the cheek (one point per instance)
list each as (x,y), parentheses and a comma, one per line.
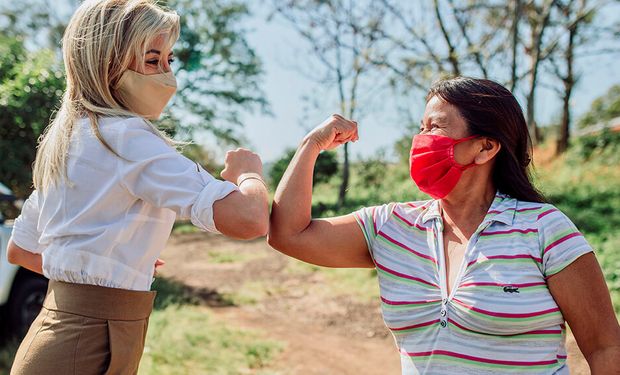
(464,153)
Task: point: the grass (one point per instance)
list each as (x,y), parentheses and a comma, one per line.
(360,284)
(184,338)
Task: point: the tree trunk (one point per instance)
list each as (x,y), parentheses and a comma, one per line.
(569,83)
(344,186)
(516,17)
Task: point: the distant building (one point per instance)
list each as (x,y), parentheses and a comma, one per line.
(613,125)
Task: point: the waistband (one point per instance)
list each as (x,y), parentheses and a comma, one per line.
(99,302)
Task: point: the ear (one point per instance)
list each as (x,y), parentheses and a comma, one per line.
(489,148)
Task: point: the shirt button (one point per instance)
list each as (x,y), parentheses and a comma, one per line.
(443,312)
(444,301)
(443,324)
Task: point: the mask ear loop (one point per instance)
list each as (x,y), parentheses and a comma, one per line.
(456,163)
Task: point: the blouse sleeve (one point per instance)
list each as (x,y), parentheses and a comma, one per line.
(152,170)
(25,229)
(561,243)
(370,221)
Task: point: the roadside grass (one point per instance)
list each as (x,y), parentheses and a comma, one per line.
(184,338)
(359,283)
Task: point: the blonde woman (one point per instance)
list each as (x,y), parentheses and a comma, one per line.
(108,189)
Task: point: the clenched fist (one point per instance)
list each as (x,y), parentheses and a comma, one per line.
(333,132)
(241,161)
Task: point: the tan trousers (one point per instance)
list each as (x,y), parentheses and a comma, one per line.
(86,329)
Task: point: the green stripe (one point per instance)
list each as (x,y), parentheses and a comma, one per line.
(417,329)
(502,319)
(507,235)
(558,236)
(524,336)
(393,246)
(407,307)
(403,280)
(447,358)
(407,226)
(499,289)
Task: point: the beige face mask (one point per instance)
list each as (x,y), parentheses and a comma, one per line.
(146,95)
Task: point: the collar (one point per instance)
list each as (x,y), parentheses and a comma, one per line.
(502,210)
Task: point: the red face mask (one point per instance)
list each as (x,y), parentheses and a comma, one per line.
(432,164)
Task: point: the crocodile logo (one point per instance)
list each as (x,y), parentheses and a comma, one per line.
(511,289)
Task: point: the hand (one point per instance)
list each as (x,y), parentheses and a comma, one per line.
(333,132)
(158,263)
(241,161)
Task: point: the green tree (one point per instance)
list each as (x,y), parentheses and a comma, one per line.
(218,72)
(326,167)
(603,108)
(31,86)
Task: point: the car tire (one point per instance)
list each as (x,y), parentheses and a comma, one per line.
(25,302)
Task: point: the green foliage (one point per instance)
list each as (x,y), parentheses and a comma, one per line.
(603,146)
(326,167)
(31,86)
(217,70)
(603,108)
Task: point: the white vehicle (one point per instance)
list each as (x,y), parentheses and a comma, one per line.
(21,291)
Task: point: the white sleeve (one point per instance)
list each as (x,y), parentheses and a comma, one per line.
(25,230)
(153,171)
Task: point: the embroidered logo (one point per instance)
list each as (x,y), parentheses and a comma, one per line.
(511,289)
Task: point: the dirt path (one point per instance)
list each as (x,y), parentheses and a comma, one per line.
(323,332)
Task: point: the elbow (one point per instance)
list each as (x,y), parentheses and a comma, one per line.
(277,241)
(12,254)
(255,225)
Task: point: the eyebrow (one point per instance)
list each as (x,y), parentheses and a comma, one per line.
(157,52)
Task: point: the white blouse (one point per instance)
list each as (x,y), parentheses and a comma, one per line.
(108,225)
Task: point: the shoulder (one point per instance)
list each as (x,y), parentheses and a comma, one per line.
(408,212)
(133,138)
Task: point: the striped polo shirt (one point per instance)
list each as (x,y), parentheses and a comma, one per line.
(500,316)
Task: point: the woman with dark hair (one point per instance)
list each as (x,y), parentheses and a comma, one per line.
(482,278)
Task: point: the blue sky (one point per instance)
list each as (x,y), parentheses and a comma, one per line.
(278,47)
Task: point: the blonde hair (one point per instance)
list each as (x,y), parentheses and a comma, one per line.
(102,40)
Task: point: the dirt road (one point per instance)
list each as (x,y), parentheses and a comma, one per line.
(249,285)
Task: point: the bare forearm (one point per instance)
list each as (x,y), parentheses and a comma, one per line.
(22,257)
(291,212)
(605,361)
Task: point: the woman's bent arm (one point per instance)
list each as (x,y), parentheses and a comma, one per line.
(582,295)
(331,242)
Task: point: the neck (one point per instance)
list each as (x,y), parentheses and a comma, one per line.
(466,206)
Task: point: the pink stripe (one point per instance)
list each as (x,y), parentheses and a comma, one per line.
(523,231)
(406,247)
(507,315)
(480,359)
(538,332)
(404,276)
(512,209)
(518,256)
(374,220)
(562,356)
(415,326)
(410,223)
(524,285)
(557,242)
(547,213)
(397,303)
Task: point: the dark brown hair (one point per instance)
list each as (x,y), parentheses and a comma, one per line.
(490,110)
